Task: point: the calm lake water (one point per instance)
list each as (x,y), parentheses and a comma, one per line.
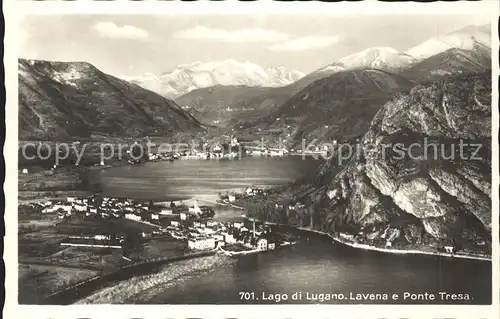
(321,267)
(203,179)
(314,266)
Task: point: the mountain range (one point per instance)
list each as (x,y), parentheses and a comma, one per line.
(64,100)
(451,62)
(188,77)
(383,58)
(238,106)
(389,59)
(464,51)
(246,96)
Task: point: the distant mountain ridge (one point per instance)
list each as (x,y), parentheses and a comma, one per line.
(188,77)
(338,107)
(468,51)
(247,104)
(449,63)
(469,38)
(350,99)
(225,105)
(66,100)
(383,58)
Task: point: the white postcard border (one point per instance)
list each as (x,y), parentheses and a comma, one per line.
(14,9)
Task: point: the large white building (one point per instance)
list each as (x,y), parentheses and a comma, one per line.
(175,223)
(55,208)
(208,231)
(262,244)
(80,208)
(212,223)
(201,243)
(195,209)
(237,225)
(133,217)
(229,239)
(166,211)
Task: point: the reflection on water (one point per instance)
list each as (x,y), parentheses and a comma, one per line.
(327,268)
(202,179)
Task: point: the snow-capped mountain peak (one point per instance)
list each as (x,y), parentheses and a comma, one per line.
(471,38)
(281,76)
(146,80)
(466,38)
(385,58)
(187,77)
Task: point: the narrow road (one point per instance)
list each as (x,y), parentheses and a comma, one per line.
(47,265)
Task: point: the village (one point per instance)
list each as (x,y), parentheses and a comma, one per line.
(82,220)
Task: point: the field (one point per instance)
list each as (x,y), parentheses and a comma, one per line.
(37,281)
(46,267)
(37,236)
(88,257)
(160,247)
(96,225)
(67,179)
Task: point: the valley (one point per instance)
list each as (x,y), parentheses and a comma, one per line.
(386,153)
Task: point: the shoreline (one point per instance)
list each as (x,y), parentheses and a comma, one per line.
(400,251)
(143,287)
(91,286)
(383,250)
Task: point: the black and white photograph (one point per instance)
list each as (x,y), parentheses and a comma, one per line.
(249,159)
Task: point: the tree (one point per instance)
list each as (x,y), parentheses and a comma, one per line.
(132,243)
(137,152)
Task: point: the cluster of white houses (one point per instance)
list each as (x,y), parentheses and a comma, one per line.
(105,207)
(65,208)
(200,235)
(248,192)
(208,235)
(108,207)
(213,235)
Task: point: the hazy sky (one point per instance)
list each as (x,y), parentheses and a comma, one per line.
(131,45)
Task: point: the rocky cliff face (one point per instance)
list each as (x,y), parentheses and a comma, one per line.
(400,190)
(65,100)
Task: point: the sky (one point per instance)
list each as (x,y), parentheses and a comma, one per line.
(130,45)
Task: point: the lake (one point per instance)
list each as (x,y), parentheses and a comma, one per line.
(203,179)
(321,267)
(315,267)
